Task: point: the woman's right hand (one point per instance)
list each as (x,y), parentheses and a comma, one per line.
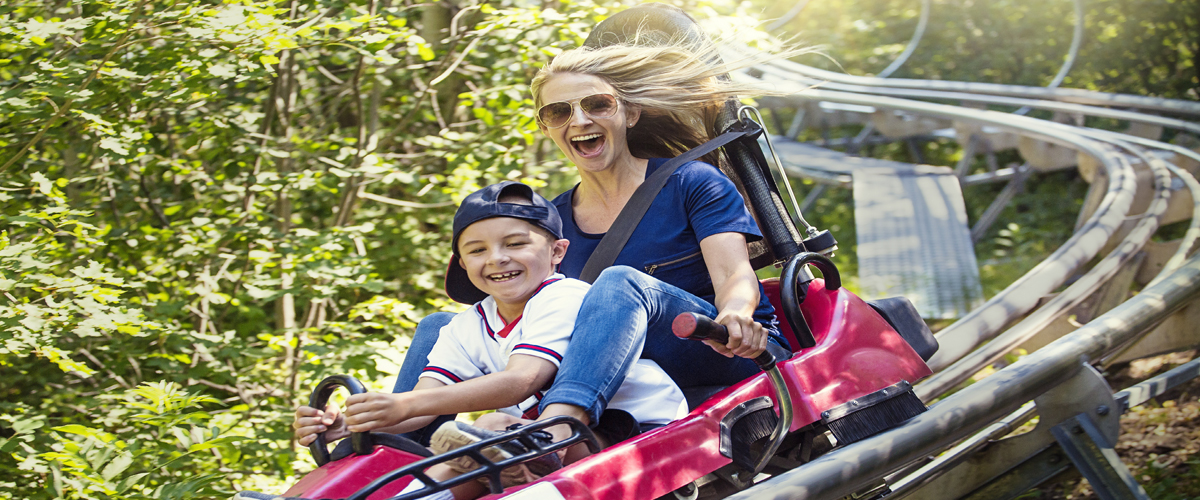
(310,421)
(747,337)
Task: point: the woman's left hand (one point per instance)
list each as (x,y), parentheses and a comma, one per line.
(736,289)
(747,338)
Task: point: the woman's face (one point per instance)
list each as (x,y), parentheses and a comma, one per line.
(592,143)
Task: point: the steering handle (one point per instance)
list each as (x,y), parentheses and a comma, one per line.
(360,441)
(697,327)
(794,288)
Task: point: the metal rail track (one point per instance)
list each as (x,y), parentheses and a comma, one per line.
(850,469)
(1126,101)
(964,426)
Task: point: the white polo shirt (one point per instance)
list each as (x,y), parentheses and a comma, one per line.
(478,342)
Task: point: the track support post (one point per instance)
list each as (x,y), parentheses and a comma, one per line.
(1006,468)
(1096,459)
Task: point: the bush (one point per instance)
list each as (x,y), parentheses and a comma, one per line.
(208,206)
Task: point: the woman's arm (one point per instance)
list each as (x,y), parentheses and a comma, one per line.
(409,411)
(736,287)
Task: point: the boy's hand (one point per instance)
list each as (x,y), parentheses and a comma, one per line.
(310,421)
(372,410)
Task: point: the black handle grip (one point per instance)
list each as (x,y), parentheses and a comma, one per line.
(748,162)
(696,327)
(793,291)
(360,441)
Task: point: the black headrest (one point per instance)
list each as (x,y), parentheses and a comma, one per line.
(655,23)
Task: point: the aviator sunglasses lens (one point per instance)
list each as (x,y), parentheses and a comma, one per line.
(599,105)
(557,114)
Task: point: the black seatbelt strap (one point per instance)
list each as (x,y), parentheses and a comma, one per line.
(622,228)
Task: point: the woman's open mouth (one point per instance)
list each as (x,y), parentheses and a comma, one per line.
(588,145)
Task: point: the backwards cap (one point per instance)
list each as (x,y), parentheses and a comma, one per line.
(485,204)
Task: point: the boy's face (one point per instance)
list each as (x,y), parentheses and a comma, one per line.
(508,259)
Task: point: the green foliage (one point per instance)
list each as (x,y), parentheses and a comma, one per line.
(1128,47)
(84,300)
(1032,226)
(1146,48)
(151,456)
(1170,484)
(209,205)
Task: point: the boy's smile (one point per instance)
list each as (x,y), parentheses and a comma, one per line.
(508,259)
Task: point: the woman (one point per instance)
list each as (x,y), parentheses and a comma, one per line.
(617,113)
(689,252)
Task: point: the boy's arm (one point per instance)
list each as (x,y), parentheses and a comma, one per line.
(409,411)
(363,405)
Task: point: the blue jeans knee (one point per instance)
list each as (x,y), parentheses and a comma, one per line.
(425,336)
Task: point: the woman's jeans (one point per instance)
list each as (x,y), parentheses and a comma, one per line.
(418,351)
(626,315)
(415,361)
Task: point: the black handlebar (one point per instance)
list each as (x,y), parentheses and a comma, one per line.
(792,292)
(360,441)
(696,327)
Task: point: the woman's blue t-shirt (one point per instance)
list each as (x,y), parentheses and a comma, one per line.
(698,201)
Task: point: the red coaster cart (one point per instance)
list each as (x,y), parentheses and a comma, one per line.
(850,375)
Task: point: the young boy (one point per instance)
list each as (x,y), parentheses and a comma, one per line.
(503,351)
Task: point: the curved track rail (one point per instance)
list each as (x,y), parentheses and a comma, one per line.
(1135,184)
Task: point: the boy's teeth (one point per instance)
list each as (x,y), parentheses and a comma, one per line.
(504,276)
(585,137)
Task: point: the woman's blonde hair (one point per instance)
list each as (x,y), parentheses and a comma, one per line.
(677,84)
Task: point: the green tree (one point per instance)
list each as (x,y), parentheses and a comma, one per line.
(1132,47)
(209,205)
(1128,46)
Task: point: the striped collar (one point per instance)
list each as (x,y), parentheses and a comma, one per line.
(507,328)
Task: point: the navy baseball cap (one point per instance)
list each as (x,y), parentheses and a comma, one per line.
(485,204)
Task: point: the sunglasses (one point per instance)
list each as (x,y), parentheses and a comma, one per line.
(557,114)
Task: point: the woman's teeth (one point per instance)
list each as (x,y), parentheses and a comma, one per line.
(504,276)
(588,145)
